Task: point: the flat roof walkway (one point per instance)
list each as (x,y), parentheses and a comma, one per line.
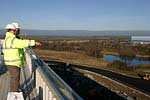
(4,85)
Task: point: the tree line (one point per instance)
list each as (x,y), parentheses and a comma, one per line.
(94,47)
(91,48)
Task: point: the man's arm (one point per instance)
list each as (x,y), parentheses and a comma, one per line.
(18,43)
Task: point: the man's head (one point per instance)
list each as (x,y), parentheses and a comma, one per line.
(17,29)
(11,28)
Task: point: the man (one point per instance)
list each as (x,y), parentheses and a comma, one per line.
(12,55)
(21,50)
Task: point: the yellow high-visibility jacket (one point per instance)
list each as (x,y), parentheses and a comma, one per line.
(21,51)
(11,46)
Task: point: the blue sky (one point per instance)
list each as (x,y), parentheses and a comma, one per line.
(77,14)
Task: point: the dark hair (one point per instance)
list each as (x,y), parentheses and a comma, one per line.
(9,30)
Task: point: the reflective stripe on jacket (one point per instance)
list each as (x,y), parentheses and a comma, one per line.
(11,49)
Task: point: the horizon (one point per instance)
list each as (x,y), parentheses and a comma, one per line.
(77,30)
(79,33)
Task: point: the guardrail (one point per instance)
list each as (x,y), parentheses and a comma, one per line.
(39,81)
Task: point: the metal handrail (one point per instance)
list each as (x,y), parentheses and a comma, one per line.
(60,87)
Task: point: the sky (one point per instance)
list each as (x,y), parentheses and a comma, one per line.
(76,14)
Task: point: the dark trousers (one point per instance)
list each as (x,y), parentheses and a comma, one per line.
(14,78)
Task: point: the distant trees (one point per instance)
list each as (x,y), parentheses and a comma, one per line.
(45,45)
(94,47)
(127,52)
(91,48)
(142,49)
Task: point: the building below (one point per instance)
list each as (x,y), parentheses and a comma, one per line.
(140,39)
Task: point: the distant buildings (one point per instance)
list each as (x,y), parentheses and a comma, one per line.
(140,39)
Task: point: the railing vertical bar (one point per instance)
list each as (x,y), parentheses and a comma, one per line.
(44,91)
(37,82)
(50,95)
(54,98)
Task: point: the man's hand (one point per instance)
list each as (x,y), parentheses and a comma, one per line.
(37,44)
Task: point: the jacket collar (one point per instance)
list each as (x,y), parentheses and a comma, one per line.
(10,34)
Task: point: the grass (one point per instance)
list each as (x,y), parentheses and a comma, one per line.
(143,68)
(110,53)
(71,57)
(82,59)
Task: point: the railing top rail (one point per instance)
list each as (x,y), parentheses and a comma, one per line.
(61,88)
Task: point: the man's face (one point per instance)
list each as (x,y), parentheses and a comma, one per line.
(13,31)
(17,31)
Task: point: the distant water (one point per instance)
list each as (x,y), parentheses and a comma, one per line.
(80,33)
(128,60)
